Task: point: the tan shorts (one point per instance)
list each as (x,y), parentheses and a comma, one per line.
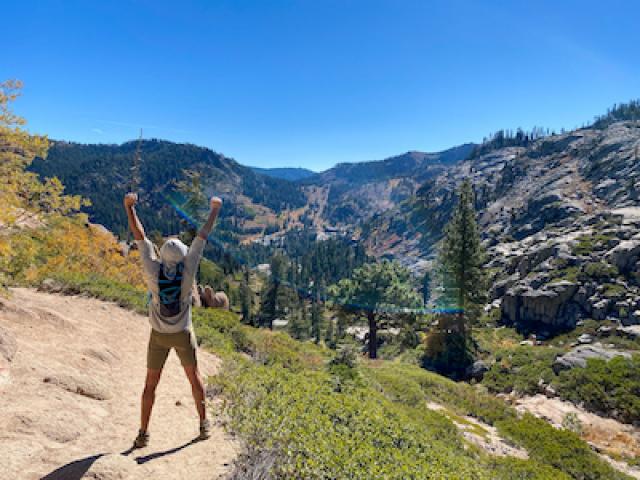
(161,343)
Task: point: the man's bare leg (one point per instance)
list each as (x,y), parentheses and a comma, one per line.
(197,389)
(149,396)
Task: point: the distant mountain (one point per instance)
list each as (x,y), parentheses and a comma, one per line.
(351,193)
(408,164)
(285,173)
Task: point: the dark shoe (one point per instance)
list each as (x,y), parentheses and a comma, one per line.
(142,440)
(205,430)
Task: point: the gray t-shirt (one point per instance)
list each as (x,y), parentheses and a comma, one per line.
(151,267)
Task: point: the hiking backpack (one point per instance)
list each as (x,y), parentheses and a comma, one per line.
(169,291)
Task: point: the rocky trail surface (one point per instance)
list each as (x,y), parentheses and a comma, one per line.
(71,374)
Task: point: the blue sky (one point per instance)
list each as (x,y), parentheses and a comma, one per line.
(312,83)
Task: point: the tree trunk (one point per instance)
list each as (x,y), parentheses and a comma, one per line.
(373,335)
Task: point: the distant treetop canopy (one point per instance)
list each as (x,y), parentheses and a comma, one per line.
(619,112)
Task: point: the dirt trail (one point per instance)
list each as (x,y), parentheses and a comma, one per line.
(71,374)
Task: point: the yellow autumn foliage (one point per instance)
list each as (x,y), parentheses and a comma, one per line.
(40,235)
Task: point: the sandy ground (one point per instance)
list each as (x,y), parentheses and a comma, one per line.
(71,374)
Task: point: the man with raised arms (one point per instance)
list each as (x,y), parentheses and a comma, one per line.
(169,279)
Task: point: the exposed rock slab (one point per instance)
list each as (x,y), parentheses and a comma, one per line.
(579,356)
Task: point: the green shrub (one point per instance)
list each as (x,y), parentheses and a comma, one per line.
(520,370)
(508,468)
(605,386)
(548,447)
(613,290)
(600,270)
(568,273)
(590,243)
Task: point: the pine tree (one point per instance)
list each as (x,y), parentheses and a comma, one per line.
(316,319)
(298,323)
(426,287)
(330,337)
(273,297)
(376,290)
(246,298)
(463,289)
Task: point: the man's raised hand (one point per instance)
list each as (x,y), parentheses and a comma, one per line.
(130,199)
(216,204)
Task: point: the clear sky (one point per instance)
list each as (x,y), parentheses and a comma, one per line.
(316,82)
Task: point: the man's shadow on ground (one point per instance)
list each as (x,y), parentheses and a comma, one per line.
(146,458)
(76,469)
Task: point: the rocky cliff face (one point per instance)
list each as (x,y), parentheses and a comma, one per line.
(356,191)
(585,269)
(560,220)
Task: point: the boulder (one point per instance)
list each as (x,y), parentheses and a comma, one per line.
(548,306)
(578,357)
(633,319)
(533,259)
(477,370)
(51,285)
(585,338)
(632,332)
(600,308)
(624,255)
(604,331)
(500,287)
(215,300)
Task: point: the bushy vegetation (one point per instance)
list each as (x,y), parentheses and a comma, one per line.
(304,412)
(600,270)
(560,449)
(605,387)
(99,286)
(608,388)
(521,370)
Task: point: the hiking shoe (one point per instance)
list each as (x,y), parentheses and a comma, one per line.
(205,430)
(142,440)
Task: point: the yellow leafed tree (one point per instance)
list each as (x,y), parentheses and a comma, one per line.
(40,235)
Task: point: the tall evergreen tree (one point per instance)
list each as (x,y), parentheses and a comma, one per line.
(316,318)
(426,287)
(274,297)
(246,297)
(463,289)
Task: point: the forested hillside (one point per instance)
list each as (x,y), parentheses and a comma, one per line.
(286,173)
(103,173)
